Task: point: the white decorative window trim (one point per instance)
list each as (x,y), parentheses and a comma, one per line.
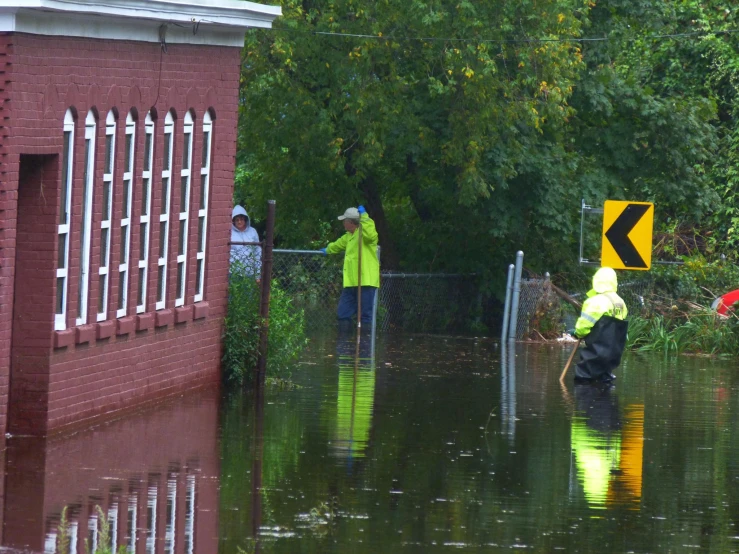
(107,214)
(203,207)
(65,207)
(184,216)
(83,289)
(145,217)
(126,209)
(164,216)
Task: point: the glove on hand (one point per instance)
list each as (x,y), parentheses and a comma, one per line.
(361,210)
(323,251)
(571,332)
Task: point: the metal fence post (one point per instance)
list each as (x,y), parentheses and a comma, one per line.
(516,295)
(374,307)
(266,283)
(507,309)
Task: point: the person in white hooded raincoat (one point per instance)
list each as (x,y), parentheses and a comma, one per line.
(244,258)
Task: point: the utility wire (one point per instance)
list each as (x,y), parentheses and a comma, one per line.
(694,34)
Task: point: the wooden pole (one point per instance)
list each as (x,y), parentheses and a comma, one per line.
(359,288)
(564,296)
(266,283)
(569,361)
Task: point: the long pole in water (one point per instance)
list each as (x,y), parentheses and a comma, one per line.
(266,283)
(516,295)
(359,288)
(569,362)
(507,308)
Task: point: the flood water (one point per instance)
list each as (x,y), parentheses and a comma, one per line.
(436,445)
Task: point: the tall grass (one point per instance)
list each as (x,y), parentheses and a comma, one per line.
(700,332)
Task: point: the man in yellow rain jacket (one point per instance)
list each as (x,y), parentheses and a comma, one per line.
(602,324)
(349,243)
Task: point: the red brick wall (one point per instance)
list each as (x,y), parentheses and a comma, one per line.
(92,376)
(33,313)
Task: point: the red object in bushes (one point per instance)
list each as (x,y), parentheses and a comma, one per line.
(725,304)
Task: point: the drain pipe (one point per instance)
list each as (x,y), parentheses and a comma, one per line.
(516,295)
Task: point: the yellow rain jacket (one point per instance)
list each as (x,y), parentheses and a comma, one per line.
(349,243)
(602,300)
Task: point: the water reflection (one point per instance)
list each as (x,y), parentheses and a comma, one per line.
(608,457)
(434,446)
(508,388)
(355,398)
(164,459)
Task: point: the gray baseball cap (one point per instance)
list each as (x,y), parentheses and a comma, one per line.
(350,213)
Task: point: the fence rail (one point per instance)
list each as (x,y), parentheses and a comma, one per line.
(423,302)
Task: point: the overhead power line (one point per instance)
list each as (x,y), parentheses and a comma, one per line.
(694,34)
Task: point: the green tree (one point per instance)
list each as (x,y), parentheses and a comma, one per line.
(479,138)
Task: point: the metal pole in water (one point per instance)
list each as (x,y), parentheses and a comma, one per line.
(516,295)
(266,282)
(507,309)
(359,290)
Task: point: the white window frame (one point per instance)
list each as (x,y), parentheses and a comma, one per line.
(93,532)
(185,187)
(151,524)
(203,208)
(171,523)
(161,302)
(111,125)
(132,523)
(113,526)
(126,210)
(62,273)
(190,515)
(145,217)
(86,223)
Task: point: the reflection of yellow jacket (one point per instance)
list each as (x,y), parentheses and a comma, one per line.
(354,410)
(602,300)
(370,264)
(597,454)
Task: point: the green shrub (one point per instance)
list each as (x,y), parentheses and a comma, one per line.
(104,540)
(241,340)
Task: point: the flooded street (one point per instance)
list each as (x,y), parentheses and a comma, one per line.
(432,447)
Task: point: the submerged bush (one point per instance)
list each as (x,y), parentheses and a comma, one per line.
(241,340)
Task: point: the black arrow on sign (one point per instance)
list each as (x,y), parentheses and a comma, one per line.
(618,235)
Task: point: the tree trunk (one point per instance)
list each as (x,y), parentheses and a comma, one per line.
(389,255)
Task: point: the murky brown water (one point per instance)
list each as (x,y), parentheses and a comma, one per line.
(432,447)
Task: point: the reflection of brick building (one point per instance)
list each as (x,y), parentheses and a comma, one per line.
(154,474)
(117,144)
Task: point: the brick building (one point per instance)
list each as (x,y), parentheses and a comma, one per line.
(117,145)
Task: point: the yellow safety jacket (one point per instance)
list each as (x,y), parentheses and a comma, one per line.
(602,300)
(349,243)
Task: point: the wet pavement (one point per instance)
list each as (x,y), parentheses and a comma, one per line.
(436,444)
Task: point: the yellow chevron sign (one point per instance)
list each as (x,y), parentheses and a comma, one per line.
(627,235)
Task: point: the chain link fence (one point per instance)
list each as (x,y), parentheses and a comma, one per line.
(543,314)
(419,302)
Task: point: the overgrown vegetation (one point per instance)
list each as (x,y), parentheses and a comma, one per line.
(675,315)
(241,340)
(104,542)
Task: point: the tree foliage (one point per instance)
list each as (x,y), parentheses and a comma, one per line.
(472,129)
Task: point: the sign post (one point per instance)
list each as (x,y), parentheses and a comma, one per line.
(627,235)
